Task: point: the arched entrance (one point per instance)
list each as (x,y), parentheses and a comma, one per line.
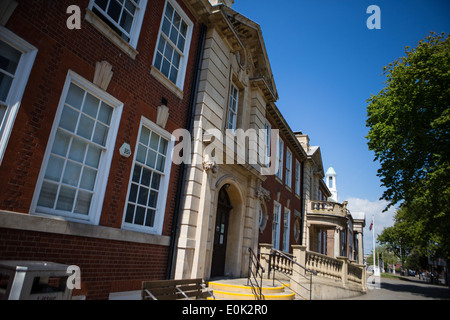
(221,234)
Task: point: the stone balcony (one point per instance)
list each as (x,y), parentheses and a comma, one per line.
(315,207)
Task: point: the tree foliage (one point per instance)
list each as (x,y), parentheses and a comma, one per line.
(409,132)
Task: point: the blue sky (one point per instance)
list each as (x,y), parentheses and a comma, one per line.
(327,63)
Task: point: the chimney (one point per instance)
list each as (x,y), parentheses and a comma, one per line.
(303,139)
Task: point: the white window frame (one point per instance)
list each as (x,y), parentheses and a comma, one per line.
(288,179)
(230,112)
(18,85)
(297,176)
(267,137)
(276,225)
(286,229)
(137,21)
(164,183)
(280,153)
(185,55)
(105,162)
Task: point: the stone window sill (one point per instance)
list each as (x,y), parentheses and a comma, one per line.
(103,28)
(166,82)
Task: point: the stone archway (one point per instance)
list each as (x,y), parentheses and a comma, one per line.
(234,229)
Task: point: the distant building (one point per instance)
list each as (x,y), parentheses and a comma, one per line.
(331,181)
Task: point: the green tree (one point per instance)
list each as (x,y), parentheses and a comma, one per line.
(409,122)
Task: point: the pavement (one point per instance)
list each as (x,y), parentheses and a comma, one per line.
(403,288)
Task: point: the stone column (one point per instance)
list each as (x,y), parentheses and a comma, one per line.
(337,240)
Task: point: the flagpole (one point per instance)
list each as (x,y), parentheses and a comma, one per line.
(373,233)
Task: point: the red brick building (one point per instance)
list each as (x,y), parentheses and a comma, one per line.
(86,176)
(282,213)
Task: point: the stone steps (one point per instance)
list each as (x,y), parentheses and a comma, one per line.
(237,289)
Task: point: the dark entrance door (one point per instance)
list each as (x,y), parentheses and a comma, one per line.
(220,235)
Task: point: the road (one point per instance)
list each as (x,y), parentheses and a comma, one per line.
(397,289)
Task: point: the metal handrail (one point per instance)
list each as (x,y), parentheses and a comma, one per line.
(285,255)
(256,287)
(290,258)
(209,291)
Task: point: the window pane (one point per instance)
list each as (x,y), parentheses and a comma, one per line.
(150,219)
(91,105)
(173,75)
(168,52)
(61,143)
(169,11)
(161,163)
(88,179)
(156,181)
(69,119)
(154,142)
(165,67)
(166,26)
(163,146)
(126,21)
(66,199)
(93,156)
(173,35)
(145,135)
(85,127)
(83,202)
(9,57)
(5,85)
(102,3)
(133,193)
(100,134)
(146,175)
(72,173)
(176,20)
(141,153)
(158,60)
(153,199)
(77,150)
(54,168)
(181,42)
(130,213)
(143,196)
(114,10)
(75,96)
(48,195)
(176,59)
(140,215)
(130,6)
(151,158)
(105,113)
(137,174)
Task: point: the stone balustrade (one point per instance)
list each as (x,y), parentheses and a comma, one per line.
(340,269)
(325,266)
(325,207)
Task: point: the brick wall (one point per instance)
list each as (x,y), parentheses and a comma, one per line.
(274,185)
(106,265)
